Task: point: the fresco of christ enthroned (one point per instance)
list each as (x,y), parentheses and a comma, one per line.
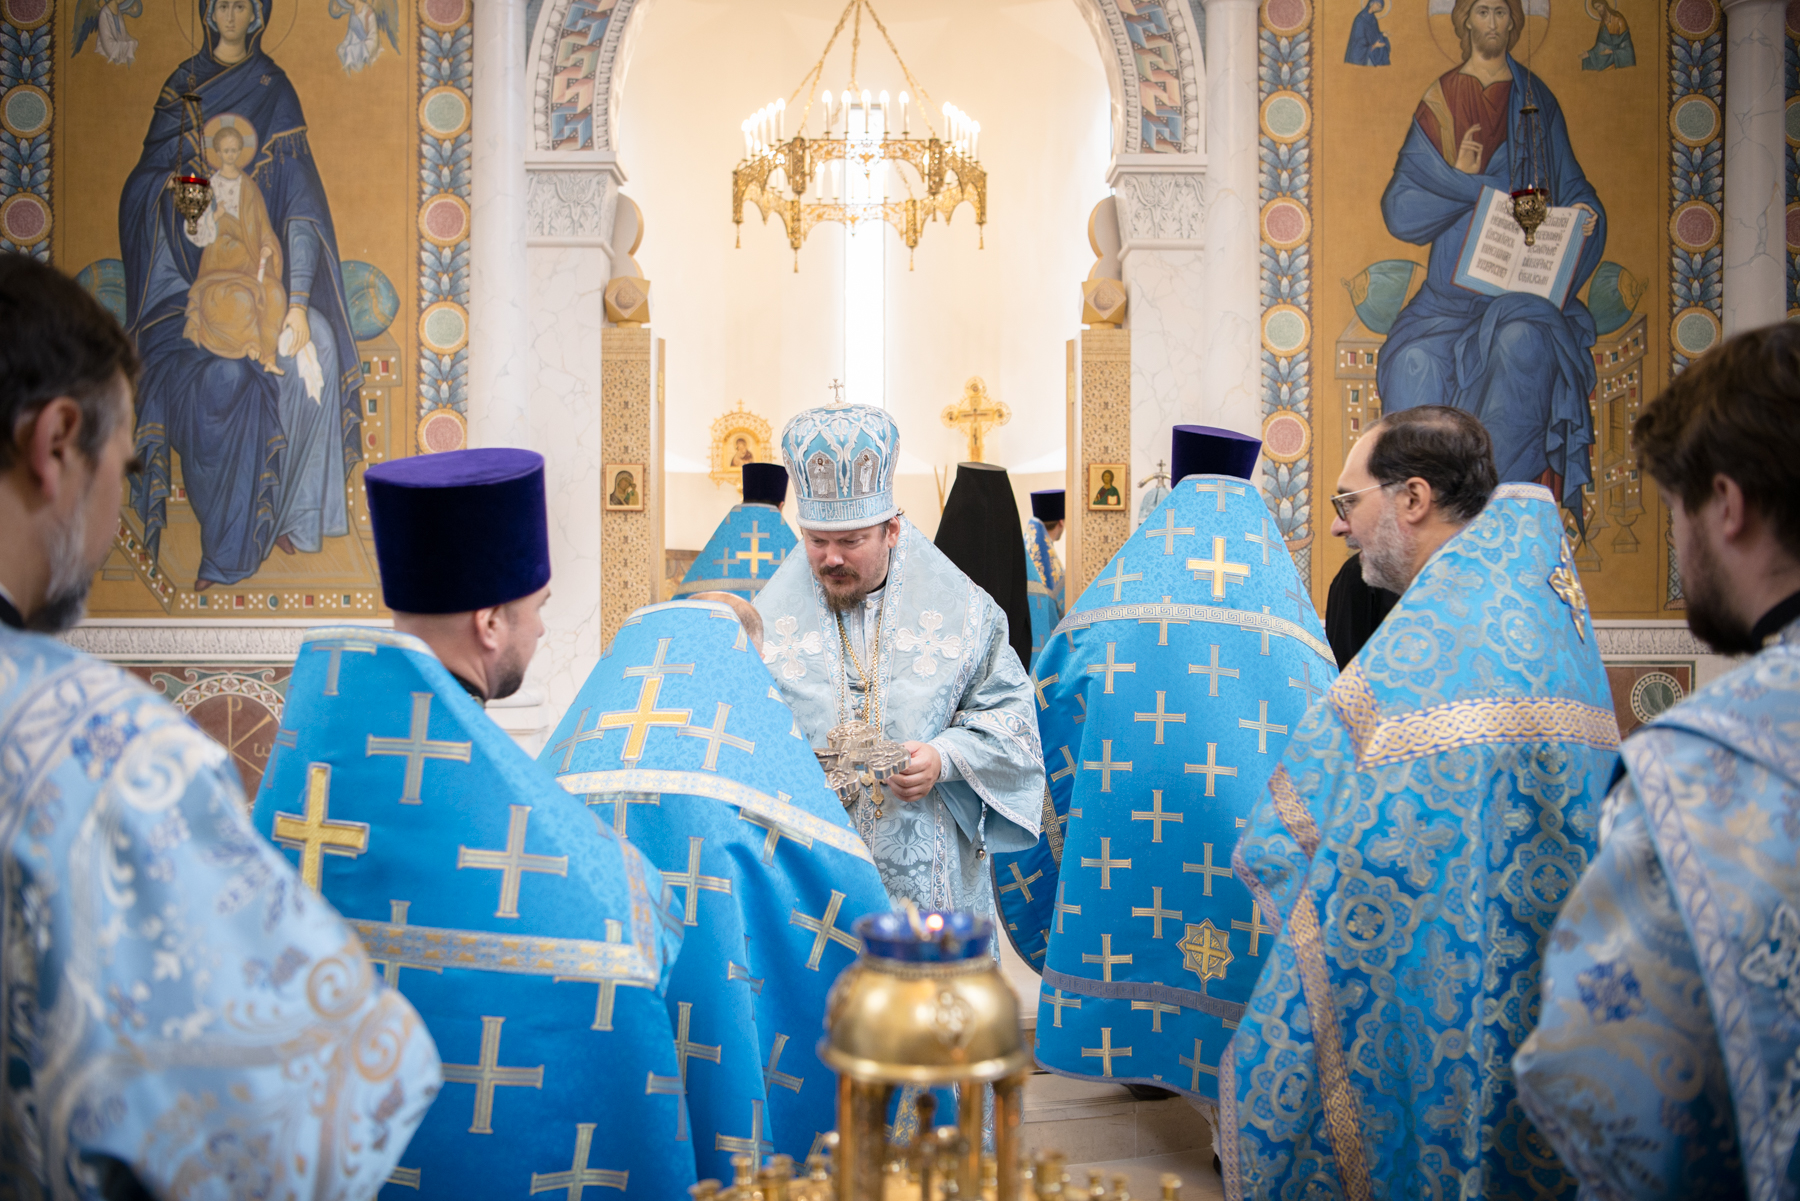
(1517,362)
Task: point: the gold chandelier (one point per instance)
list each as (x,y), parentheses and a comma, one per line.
(854,168)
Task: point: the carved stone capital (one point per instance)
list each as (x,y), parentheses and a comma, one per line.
(571,202)
(1647,640)
(1162,205)
(132,640)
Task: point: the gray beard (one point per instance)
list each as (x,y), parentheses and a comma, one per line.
(1386,558)
(65,599)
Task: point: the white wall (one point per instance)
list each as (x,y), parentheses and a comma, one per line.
(741,324)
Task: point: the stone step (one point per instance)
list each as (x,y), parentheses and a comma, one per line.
(1091,1121)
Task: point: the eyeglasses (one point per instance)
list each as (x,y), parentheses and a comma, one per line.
(1343,510)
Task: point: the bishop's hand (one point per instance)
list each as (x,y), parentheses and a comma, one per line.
(920,774)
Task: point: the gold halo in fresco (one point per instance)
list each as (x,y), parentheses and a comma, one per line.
(1537,27)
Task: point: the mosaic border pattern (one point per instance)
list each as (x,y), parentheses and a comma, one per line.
(446,62)
(1696,183)
(25,58)
(1284,149)
(1790,48)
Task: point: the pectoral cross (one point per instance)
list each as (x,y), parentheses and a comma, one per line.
(976,415)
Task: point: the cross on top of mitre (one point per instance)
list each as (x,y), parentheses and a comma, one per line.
(975,415)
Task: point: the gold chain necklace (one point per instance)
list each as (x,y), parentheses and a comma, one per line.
(871,684)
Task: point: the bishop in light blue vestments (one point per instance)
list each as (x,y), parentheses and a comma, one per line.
(750,543)
(1165,700)
(175,1000)
(1424,827)
(1666,1061)
(1043,568)
(530,936)
(680,740)
(943,671)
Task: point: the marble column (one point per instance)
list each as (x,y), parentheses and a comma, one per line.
(1232,386)
(1755,251)
(499,282)
(571,200)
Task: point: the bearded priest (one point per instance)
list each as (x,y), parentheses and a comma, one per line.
(875,625)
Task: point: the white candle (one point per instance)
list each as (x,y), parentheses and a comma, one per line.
(903,122)
(781,118)
(884,113)
(827,112)
(744,128)
(975,141)
(865,108)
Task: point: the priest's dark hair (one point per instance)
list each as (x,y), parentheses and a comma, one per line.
(1447,448)
(1734,412)
(56,340)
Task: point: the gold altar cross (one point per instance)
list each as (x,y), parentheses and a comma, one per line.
(1219,570)
(314,835)
(486,1075)
(579,1177)
(609,987)
(756,556)
(976,415)
(824,929)
(415,748)
(512,863)
(692,882)
(1105,1052)
(1157,914)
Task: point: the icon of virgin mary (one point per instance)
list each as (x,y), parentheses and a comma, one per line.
(264,452)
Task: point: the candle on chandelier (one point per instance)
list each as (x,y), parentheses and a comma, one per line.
(865,111)
(781,120)
(903,123)
(884,113)
(975,140)
(827,112)
(744,128)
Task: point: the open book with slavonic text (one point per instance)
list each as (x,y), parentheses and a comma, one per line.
(1495,259)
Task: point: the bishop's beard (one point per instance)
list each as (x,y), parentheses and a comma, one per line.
(845,588)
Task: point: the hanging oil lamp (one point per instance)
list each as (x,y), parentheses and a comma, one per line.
(192,189)
(1530,198)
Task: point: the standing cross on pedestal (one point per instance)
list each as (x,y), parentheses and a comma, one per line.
(976,415)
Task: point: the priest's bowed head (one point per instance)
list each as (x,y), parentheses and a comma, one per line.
(464,548)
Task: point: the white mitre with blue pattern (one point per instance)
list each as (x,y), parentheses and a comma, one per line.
(842,459)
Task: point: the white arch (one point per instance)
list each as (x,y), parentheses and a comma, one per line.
(590,102)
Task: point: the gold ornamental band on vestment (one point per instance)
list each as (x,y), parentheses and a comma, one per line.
(1381,741)
(512,954)
(793,820)
(1239,618)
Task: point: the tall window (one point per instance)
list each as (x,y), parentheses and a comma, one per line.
(865,272)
